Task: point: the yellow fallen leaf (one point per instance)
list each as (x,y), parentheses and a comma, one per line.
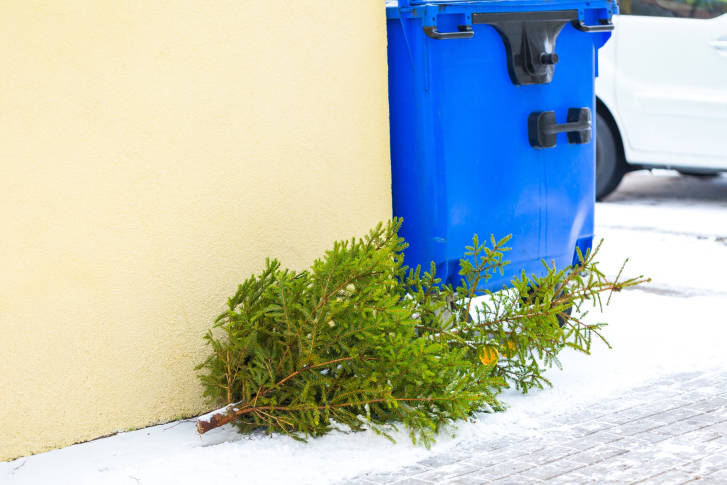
(489,355)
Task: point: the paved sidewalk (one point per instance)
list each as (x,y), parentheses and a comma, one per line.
(672,431)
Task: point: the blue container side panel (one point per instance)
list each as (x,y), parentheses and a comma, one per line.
(461,160)
(493,186)
(418,195)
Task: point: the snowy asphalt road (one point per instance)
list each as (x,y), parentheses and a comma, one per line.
(678,226)
(653,408)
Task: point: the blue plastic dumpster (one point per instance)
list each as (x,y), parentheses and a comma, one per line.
(491,109)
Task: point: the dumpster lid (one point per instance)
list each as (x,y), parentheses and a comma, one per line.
(532,3)
(529,28)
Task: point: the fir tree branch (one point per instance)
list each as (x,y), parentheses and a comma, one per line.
(317,366)
(230,413)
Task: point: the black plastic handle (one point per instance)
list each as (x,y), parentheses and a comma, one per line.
(605,26)
(543,129)
(465,32)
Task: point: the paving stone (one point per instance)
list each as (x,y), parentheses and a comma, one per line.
(551,454)
(637,426)
(469,479)
(632,443)
(413,481)
(506,468)
(662,406)
(626,468)
(395,476)
(683,426)
(721,412)
(683,399)
(570,478)
(625,416)
(485,460)
(675,414)
(707,465)
(477,478)
(672,477)
(564,433)
(486,445)
(656,401)
(692,440)
(721,427)
(708,481)
(592,440)
(533,446)
(447,472)
(551,470)
(704,434)
(599,453)
(590,427)
(516,480)
(678,453)
(720,475)
(653,436)
(709,418)
(708,405)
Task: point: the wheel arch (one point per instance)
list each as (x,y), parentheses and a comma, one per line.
(605,112)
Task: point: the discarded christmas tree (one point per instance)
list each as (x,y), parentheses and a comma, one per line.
(360,341)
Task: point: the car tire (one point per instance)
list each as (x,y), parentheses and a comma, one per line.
(610,167)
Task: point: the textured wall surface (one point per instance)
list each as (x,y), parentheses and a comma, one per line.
(151,155)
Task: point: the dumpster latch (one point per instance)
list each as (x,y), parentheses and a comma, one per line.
(529,39)
(464,32)
(543,129)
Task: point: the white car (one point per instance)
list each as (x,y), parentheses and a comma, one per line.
(662,90)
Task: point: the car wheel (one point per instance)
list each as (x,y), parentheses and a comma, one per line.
(610,168)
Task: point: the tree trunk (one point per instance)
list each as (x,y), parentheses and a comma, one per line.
(217,418)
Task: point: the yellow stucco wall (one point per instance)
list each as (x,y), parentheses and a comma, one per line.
(151,155)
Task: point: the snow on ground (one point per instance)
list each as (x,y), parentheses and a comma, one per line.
(674,229)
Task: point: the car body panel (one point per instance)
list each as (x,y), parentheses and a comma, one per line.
(664,81)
